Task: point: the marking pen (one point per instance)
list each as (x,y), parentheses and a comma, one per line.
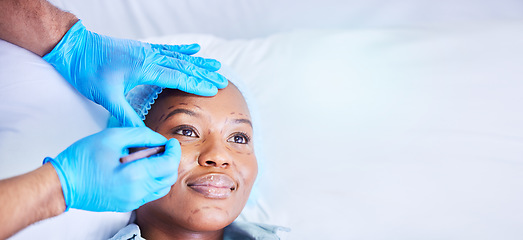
(139,153)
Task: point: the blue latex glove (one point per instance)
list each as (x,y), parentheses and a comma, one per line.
(104,69)
(93,178)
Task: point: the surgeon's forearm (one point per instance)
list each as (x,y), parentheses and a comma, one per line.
(35,25)
(29,198)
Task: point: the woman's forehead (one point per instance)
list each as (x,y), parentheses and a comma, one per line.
(227,101)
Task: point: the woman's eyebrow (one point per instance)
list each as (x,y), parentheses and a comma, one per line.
(180,110)
(242,120)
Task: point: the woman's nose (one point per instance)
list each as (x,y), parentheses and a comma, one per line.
(214,154)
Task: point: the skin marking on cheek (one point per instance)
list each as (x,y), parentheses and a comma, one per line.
(190,220)
(220,209)
(182,171)
(161,117)
(233,113)
(170,196)
(244,153)
(195,211)
(242,176)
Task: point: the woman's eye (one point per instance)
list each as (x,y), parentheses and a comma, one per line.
(186,132)
(239,138)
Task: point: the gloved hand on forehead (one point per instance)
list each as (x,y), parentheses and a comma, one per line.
(93,178)
(104,69)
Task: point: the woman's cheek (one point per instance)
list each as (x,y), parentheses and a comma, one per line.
(244,149)
(186,160)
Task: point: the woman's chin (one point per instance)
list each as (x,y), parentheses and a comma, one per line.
(209,222)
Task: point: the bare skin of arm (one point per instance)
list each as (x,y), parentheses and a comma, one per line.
(29,198)
(35,25)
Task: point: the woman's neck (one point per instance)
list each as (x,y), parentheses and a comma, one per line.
(157,228)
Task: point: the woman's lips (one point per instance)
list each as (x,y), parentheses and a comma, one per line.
(215,185)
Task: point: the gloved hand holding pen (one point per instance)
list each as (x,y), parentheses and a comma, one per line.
(93,179)
(103,69)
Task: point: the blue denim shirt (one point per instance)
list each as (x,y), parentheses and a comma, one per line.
(235,231)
